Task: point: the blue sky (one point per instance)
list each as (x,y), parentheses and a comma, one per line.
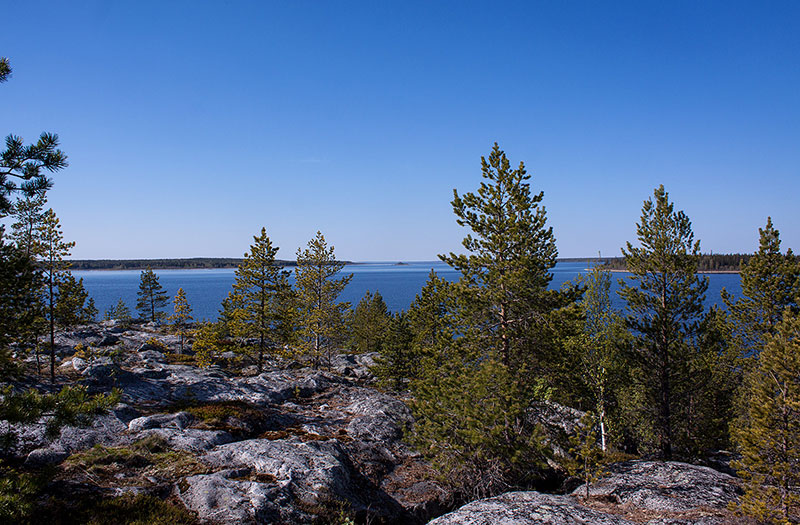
(190,125)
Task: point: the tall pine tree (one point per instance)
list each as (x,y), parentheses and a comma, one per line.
(506,271)
(770,283)
(260,285)
(664,305)
(52,252)
(471,403)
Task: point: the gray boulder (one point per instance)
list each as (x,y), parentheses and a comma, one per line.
(310,471)
(527,508)
(378,417)
(151,355)
(108,340)
(665,487)
(189,439)
(179,420)
(79,364)
(219,499)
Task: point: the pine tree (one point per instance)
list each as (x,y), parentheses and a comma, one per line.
(20,299)
(397,361)
(770,283)
(207,344)
(73,305)
(182,316)
(321,315)
(430,315)
(370,321)
(511,251)
(260,285)
(28,214)
(27,164)
(121,312)
(768,434)
(52,250)
(588,452)
(664,306)
(151,297)
(471,401)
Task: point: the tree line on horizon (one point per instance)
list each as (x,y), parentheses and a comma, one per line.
(479,359)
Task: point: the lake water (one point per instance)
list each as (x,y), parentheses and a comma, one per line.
(397,283)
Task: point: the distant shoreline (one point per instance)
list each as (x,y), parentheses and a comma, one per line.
(224,263)
(699,271)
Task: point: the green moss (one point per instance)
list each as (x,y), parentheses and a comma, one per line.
(138,510)
(150,457)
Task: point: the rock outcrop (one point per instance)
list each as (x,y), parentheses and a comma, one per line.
(652,492)
(295,445)
(285,446)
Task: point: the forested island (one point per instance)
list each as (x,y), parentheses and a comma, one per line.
(192,263)
(707,263)
(490,398)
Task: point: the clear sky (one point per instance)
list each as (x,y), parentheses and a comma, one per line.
(190,125)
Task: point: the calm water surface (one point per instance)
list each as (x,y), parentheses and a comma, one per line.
(398,284)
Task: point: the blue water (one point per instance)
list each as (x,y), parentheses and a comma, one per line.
(398,284)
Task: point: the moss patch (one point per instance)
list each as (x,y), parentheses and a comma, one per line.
(146,462)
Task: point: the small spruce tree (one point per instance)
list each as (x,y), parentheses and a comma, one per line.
(182,316)
(370,321)
(251,310)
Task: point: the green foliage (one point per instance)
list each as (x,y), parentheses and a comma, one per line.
(770,283)
(255,308)
(207,344)
(73,305)
(599,358)
(664,304)
(18,492)
(398,361)
(28,164)
(370,321)
(51,254)
(768,432)
(412,337)
(471,421)
(28,215)
(507,271)
(140,509)
(483,338)
(587,451)
(430,315)
(151,297)
(19,299)
(5,69)
(182,316)
(322,318)
(120,312)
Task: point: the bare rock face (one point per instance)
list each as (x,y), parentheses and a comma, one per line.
(221,498)
(527,508)
(308,471)
(652,492)
(669,489)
